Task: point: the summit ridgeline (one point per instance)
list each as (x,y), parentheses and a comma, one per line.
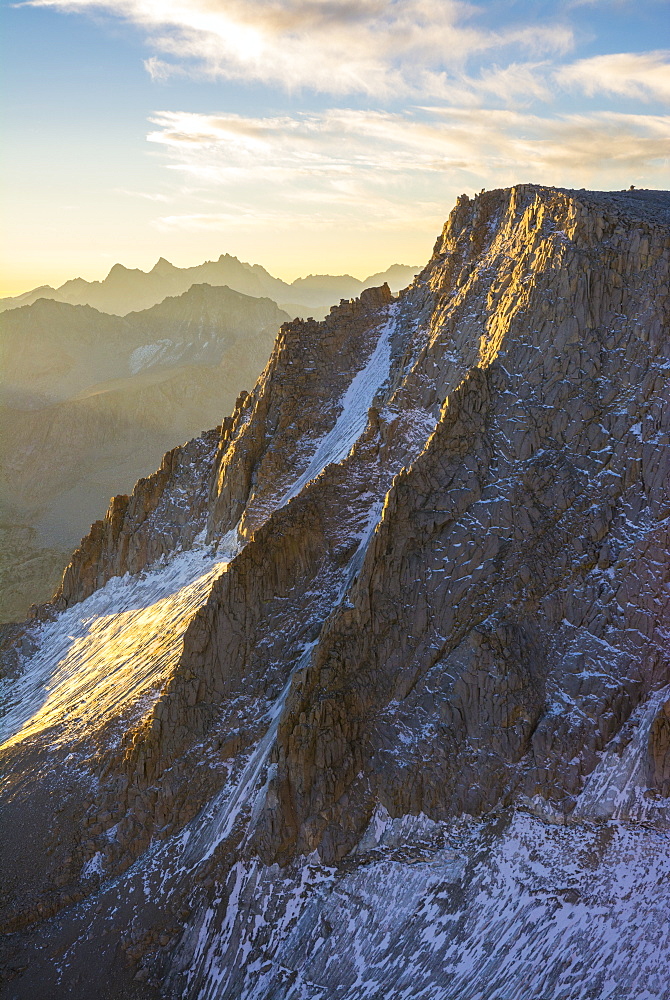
(367,691)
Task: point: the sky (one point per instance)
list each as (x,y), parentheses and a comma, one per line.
(309,136)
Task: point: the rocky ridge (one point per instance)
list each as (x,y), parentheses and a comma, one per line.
(429,631)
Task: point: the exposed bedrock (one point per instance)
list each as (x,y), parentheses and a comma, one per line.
(659,752)
(165,512)
(509,616)
(296,402)
(511,612)
(142,774)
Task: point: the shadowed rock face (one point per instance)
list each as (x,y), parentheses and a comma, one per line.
(508,617)
(413,589)
(659,752)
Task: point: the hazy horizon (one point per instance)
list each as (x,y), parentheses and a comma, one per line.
(146,270)
(309,136)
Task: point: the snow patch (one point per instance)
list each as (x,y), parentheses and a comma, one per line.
(217,820)
(616,787)
(148,355)
(94,866)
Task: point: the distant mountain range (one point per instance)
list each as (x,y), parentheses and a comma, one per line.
(125,289)
(90,402)
(52,350)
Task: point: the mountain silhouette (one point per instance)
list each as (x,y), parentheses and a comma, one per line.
(126,290)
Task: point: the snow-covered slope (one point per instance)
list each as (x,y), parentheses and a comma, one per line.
(111,652)
(511,907)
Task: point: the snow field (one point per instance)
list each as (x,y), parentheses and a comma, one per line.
(114,649)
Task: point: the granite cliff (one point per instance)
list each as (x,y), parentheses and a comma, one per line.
(366,693)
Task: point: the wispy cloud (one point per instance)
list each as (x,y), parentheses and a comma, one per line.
(380,167)
(146,195)
(639,75)
(341,140)
(424,98)
(382,48)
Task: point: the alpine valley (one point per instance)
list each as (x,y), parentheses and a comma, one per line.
(365,693)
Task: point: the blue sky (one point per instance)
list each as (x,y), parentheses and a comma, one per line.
(309,135)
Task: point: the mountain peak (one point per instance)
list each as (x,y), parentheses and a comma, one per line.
(162,265)
(118,269)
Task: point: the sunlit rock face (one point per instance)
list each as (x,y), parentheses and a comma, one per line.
(366,693)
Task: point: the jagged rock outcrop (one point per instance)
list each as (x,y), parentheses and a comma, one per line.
(419,659)
(289,415)
(512,570)
(165,512)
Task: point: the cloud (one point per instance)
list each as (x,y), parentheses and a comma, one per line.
(638,75)
(159,70)
(518,80)
(610,3)
(382,48)
(146,195)
(346,139)
(382,169)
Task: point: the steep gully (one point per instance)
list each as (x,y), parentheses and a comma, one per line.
(446,598)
